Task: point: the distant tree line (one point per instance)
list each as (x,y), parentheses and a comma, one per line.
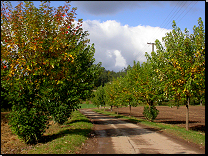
(108,76)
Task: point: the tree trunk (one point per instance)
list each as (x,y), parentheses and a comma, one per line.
(130,110)
(111,108)
(187,114)
(151,103)
(104,107)
(117,110)
(200,101)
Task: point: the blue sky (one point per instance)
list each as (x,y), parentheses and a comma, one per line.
(120,30)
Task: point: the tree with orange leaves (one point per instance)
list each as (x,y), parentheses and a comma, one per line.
(49,65)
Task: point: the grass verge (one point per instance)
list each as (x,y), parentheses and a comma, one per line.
(64,139)
(85,105)
(192,136)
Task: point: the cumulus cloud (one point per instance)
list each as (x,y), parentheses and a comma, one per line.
(120,61)
(117,46)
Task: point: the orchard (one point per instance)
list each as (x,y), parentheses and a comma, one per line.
(174,72)
(181,65)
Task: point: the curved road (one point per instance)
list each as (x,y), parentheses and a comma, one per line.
(116,136)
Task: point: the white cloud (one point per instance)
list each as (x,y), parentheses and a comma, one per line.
(120,61)
(117,46)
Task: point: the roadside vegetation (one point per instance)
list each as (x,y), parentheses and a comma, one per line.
(58,139)
(87,105)
(47,66)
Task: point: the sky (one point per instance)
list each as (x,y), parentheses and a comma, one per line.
(120,30)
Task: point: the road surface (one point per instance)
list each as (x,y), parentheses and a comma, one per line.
(117,136)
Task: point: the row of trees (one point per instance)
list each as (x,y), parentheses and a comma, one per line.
(175,71)
(47,65)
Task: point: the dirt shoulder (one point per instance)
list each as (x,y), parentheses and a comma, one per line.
(174,115)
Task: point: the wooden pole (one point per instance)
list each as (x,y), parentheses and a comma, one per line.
(130,110)
(187,114)
(152,46)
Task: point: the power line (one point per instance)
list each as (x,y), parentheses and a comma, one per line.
(169,13)
(167,23)
(178,4)
(184,10)
(188,11)
(175,15)
(175,12)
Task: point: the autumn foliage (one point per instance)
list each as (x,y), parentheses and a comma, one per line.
(46,65)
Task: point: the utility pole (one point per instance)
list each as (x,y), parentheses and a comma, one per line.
(152,46)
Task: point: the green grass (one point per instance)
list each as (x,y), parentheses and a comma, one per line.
(67,139)
(192,136)
(84,105)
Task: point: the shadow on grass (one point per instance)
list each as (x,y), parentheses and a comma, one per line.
(134,121)
(198,128)
(75,121)
(60,134)
(178,122)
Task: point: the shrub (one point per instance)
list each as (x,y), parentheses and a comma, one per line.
(150,113)
(28,124)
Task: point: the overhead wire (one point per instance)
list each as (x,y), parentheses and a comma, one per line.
(175,15)
(180,6)
(169,13)
(168,23)
(180,15)
(183,11)
(176,18)
(187,12)
(174,9)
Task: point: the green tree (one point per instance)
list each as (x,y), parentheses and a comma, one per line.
(50,66)
(144,87)
(127,94)
(109,94)
(99,97)
(113,93)
(133,80)
(5,105)
(182,64)
(145,83)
